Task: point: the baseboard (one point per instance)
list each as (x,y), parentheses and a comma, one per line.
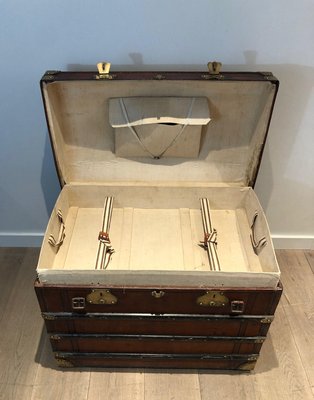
(34,239)
(293,242)
(21,239)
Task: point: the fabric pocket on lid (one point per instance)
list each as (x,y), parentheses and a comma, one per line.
(158,127)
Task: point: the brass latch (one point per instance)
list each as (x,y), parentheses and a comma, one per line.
(213,299)
(214,68)
(101,296)
(103,70)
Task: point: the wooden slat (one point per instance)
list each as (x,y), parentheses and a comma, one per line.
(309,254)
(227,385)
(170,385)
(279,373)
(15,392)
(301,320)
(116,384)
(10,264)
(297,277)
(54,383)
(21,326)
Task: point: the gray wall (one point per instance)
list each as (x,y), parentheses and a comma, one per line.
(245,35)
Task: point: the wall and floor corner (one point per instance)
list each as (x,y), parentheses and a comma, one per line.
(164,35)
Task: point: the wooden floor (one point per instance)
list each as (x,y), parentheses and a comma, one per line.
(285,369)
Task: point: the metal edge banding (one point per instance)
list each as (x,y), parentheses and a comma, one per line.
(43,84)
(254,174)
(264,319)
(151,75)
(189,338)
(148,288)
(244,363)
(240,357)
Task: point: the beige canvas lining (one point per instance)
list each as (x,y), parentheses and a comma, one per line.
(153,236)
(230,146)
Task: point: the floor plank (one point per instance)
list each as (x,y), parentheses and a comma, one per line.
(21,327)
(301,320)
(10,264)
(309,254)
(172,385)
(54,383)
(296,276)
(226,385)
(116,384)
(15,392)
(279,373)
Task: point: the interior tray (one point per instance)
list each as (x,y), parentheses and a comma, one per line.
(158,242)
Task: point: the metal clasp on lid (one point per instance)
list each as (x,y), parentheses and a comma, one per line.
(103,70)
(214,68)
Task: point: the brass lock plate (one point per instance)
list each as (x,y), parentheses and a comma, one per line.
(101,296)
(212,299)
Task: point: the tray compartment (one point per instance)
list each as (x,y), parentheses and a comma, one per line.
(156,234)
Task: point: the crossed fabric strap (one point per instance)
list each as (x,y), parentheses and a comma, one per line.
(210,236)
(105,249)
(138,138)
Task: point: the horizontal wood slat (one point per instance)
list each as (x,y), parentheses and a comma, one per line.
(141,300)
(227,361)
(156,344)
(163,325)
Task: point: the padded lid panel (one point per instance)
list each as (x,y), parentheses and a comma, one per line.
(231,144)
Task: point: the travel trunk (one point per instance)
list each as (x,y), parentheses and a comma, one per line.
(158,252)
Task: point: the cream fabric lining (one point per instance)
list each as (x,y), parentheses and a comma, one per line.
(156,237)
(230,147)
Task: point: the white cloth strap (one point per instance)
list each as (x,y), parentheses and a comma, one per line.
(210,236)
(105,249)
(137,137)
